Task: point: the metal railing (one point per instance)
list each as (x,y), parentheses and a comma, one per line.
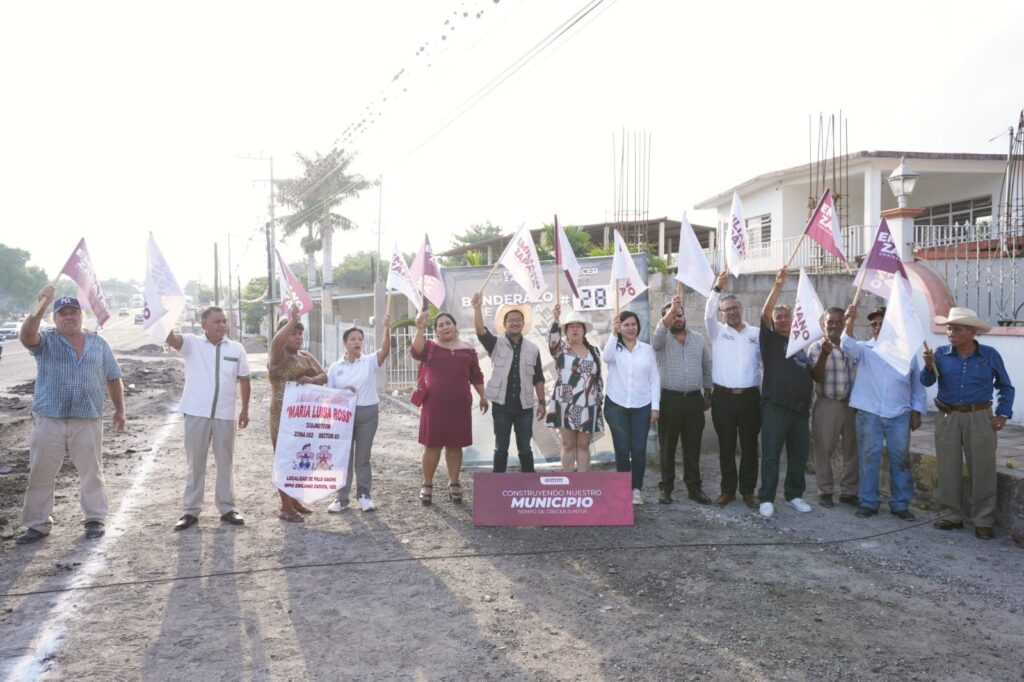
(771,256)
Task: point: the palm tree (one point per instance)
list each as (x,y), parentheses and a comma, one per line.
(323,185)
(578,240)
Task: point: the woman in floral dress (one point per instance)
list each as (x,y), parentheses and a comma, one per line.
(575,406)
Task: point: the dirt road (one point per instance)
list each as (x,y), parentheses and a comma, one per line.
(411,593)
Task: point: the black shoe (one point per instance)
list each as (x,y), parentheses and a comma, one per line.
(232,517)
(29,536)
(946,524)
(665,497)
(851,500)
(698,496)
(865,512)
(903,514)
(94,529)
(185,521)
(825,501)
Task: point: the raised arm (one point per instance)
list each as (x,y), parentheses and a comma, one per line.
(280,339)
(29,334)
(478,316)
(419,340)
(711,322)
(773,298)
(385,343)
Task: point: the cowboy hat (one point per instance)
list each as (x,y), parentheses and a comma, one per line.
(502,312)
(575,317)
(965,317)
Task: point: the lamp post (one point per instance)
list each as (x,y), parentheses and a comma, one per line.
(901,219)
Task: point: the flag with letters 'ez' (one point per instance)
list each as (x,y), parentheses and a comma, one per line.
(806,317)
(882,265)
(426,274)
(823,226)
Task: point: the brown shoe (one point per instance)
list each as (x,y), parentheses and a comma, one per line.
(983,533)
(751,501)
(946,524)
(724,499)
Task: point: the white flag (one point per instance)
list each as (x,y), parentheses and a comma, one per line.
(521,261)
(164,299)
(624,273)
(692,266)
(735,238)
(806,317)
(400,279)
(901,334)
(565,259)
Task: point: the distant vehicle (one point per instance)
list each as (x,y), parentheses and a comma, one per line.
(123,312)
(137,301)
(139,318)
(9,330)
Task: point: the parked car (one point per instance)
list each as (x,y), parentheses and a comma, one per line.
(123,312)
(139,318)
(9,330)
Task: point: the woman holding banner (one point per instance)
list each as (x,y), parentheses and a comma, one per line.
(358,373)
(450,368)
(633,397)
(288,362)
(575,407)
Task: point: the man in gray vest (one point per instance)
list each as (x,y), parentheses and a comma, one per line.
(517,368)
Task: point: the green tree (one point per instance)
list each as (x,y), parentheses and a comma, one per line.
(655,263)
(356,269)
(19,282)
(578,239)
(325,183)
(475,233)
(202,296)
(254,304)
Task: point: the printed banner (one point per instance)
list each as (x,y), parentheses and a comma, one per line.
(425,270)
(735,238)
(313,442)
(625,274)
(291,289)
(881,265)
(521,261)
(806,317)
(823,226)
(79,268)
(593,498)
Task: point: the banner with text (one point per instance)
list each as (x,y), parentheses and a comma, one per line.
(593,498)
(313,442)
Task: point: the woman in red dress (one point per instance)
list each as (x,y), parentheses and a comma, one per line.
(446,413)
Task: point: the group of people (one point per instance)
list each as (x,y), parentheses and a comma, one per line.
(839,394)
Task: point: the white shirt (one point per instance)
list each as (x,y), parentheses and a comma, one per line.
(211,376)
(735,355)
(360,375)
(633,379)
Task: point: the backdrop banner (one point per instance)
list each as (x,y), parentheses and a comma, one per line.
(313,441)
(596,302)
(592,498)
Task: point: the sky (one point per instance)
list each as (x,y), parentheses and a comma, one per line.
(125,118)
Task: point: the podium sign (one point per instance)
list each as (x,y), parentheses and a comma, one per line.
(593,498)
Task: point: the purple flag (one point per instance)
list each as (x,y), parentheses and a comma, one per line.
(882,264)
(79,268)
(823,227)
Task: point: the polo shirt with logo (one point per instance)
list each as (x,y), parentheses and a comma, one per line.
(211,376)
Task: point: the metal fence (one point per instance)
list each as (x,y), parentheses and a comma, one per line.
(402,368)
(770,256)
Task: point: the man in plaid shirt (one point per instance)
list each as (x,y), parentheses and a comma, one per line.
(833,421)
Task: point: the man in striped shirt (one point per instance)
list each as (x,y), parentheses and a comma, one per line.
(75,369)
(684,365)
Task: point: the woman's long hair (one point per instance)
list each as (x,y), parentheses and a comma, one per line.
(623,316)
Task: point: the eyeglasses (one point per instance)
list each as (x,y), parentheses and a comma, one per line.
(731,309)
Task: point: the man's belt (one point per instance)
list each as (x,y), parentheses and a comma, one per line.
(946,408)
(736,391)
(684,394)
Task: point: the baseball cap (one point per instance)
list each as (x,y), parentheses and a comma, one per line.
(66,302)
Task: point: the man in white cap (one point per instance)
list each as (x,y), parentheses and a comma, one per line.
(967,373)
(516,385)
(75,368)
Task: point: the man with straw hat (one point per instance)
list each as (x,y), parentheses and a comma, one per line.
(967,373)
(516,386)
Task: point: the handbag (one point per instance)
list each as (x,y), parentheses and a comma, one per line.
(419,394)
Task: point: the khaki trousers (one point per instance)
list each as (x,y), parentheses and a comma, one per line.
(51,439)
(200,434)
(960,437)
(834,423)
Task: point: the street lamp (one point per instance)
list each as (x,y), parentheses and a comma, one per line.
(902,181)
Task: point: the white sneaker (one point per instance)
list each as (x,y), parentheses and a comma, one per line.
(637,497)
(337,507)
(366,504)
(767,510)
(799,505)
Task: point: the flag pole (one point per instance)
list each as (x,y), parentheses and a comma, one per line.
(616,296)
(860,288)
(795,249)
(489,275)
(387,306)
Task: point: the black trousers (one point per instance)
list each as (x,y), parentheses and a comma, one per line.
(681,419)
(505,421)
(737,414)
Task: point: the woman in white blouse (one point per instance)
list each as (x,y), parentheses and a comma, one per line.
(358,372)
(632,395)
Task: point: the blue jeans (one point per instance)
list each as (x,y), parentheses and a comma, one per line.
(505,421)
(629,427)
(781,426)
(871,431)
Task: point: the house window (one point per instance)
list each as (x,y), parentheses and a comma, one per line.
(977,211)
(759,230)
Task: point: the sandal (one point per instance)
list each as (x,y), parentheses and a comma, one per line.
(291,516)
(301,508)
(426,494)
(455,492)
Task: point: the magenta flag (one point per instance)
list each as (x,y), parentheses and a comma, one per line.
(79,268)
(292,291)
(882,264)
(427,273)
(823,227)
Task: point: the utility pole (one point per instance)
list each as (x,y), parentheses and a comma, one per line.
(227,283)
(271,239)
(216,276)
